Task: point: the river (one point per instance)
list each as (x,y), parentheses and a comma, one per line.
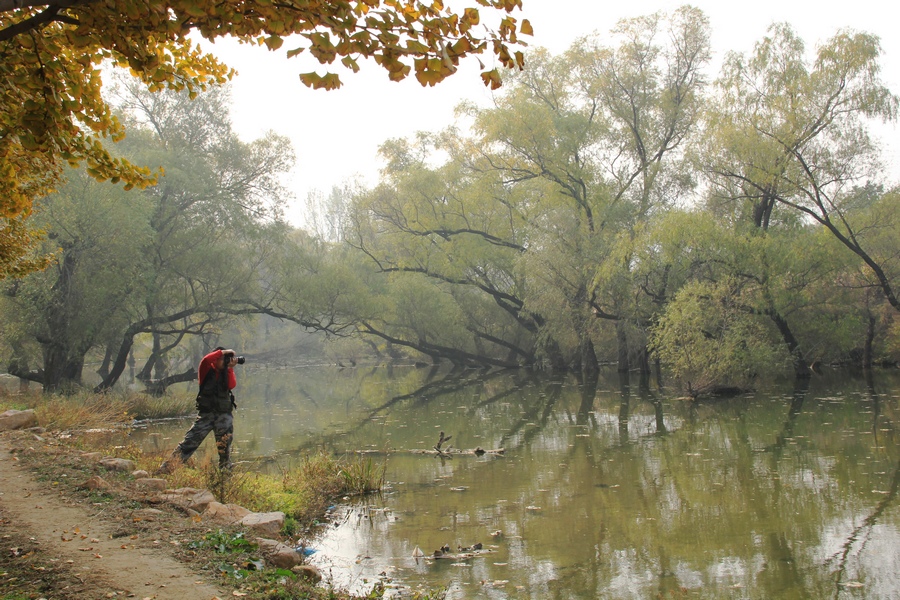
(613,488)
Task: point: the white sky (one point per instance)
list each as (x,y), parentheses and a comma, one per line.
(336,134)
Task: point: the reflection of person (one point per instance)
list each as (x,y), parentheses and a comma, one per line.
(215,401)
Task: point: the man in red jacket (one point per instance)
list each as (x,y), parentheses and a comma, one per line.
(215,403)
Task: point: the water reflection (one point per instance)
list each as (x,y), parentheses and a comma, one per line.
(608,488)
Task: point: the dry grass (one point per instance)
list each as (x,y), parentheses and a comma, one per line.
(78,411)
(142,406)
(87,410)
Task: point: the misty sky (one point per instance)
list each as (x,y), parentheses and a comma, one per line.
(336,134)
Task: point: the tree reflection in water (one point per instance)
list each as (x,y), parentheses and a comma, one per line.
(609,488)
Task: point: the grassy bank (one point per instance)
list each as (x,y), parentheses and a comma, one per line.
(100,423)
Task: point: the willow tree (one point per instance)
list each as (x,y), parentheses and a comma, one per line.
(578,149)
(789,133)
(54,317)
(794,133)
(452,257)
(211,215)
(52,111)
(598,133)
(170,262)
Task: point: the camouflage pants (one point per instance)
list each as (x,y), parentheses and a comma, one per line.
(222,424)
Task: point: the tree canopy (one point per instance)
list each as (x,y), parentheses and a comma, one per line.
(51,52)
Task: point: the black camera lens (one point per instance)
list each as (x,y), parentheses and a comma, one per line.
(241,360)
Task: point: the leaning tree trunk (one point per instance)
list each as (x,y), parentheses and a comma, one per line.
(103,370)
(801,366)
(159,386)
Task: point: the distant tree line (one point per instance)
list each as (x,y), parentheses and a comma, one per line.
(613,205)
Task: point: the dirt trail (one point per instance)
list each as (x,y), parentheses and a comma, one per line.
(73,537)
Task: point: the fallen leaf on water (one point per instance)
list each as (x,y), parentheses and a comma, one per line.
(95,541)
(98,556)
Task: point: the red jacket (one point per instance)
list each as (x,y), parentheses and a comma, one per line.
(209,362)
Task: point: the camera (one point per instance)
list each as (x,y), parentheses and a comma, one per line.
(240,360)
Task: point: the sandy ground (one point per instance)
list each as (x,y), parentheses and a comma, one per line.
(84,555)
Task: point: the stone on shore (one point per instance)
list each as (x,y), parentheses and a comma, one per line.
(189,498)
(201,500)
(17,419)
(226,514)
(117,464)
(95,483)
(264,523)
(150,483)
(277,554)
(308,572)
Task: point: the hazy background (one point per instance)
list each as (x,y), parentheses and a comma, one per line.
(336,134)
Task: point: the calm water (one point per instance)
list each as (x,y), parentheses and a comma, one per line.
(606,490)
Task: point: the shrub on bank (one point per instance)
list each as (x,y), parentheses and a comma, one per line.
(302,492)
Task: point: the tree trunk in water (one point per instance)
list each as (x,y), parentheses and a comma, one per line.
(644,361)
(588,396)
(624,405)
(554,355)
(801,367)
(867,358)
(622,342)
(589,363)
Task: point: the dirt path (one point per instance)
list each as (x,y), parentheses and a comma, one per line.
(83,555)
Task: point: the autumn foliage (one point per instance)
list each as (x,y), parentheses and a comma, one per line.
(51,53)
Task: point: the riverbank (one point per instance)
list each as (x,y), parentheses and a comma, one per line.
(76,526)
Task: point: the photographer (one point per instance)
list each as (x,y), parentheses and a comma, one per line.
(215,403)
